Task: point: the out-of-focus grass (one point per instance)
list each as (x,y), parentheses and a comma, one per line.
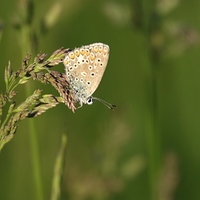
(147,147)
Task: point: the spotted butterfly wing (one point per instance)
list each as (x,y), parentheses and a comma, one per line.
(85,67)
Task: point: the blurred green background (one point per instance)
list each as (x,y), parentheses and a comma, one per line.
(148,148)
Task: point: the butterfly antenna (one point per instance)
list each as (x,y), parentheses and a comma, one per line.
(108,105)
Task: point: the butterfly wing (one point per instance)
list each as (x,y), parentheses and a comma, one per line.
(85,67)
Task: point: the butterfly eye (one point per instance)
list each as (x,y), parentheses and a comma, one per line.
(89,101)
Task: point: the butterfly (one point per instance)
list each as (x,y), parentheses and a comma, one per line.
(84,68)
